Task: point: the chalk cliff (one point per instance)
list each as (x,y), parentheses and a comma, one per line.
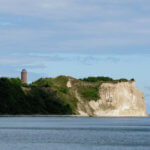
(63,95)
(115,99)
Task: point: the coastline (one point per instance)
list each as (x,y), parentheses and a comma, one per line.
(78,116)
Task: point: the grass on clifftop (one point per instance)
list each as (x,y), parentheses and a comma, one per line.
(47,82)
(59,85)
(104,79)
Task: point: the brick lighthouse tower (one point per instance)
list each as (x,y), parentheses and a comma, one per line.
(24,76)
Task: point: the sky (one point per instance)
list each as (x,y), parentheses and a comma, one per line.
(79,38)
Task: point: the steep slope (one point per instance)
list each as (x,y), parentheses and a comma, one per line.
(121,99)
(115,99)
(63,95)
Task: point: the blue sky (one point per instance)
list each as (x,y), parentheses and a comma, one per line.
(79,38)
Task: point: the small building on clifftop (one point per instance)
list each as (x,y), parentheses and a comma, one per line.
(24,76)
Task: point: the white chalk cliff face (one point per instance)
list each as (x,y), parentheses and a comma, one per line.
(119,99)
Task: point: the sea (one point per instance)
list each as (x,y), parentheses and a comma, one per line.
(74,133)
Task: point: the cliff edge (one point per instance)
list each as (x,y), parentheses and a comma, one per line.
(115,99)
(63,95)
(120,99)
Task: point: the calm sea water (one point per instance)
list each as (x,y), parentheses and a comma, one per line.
(72,133)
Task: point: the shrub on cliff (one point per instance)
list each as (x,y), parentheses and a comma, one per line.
(104,79)
(95,79)
(89,92)
(13,100)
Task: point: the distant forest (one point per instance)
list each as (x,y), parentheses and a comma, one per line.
(15,100)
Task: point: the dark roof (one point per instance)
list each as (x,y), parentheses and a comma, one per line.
(24,70)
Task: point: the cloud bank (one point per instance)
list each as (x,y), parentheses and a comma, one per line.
(78,26)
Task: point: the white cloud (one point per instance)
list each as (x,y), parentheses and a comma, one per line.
(74,25)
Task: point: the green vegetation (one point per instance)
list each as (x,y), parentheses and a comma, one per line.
(59,81)
(42,83)
(15,99)
(96,79)
(49,95)
(104,79)
(132,79)
(58,84)
(89,92)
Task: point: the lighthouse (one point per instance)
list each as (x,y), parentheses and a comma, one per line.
(24,76)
